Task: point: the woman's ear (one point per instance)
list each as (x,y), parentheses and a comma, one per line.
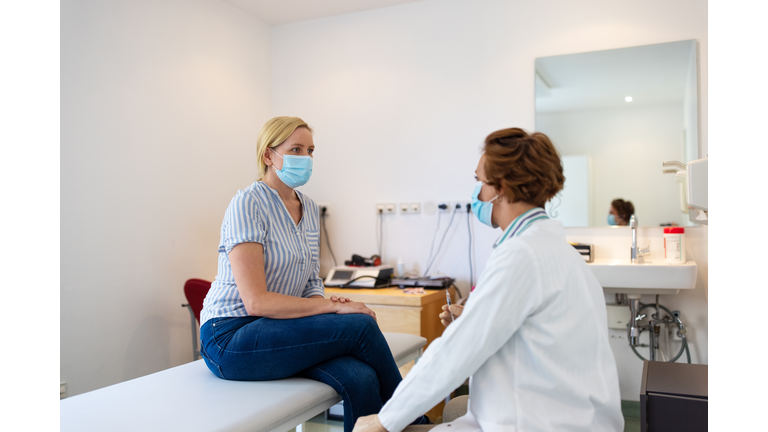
(267,157)
(502,194)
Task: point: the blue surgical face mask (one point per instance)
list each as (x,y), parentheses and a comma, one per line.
(296,170)
(482,209)
(611,219)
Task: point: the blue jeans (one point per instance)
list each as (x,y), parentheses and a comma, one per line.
(347,352)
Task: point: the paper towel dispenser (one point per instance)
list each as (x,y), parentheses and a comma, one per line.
(694,190)
(697,184)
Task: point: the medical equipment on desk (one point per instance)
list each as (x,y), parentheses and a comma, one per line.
(359,277)
(424,282)
(360,261)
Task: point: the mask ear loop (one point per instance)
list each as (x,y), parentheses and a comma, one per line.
(492,199)
(281,157)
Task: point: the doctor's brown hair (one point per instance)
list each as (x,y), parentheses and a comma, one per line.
(527,166)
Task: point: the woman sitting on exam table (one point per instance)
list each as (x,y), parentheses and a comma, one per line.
(532,337)
(265,316)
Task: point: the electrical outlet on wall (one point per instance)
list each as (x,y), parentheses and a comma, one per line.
(444,206)
(462,205)
(327,207)
(385,208)
(410,208)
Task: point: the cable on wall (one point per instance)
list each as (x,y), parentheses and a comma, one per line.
(434,236)
(380,235)
(445,233)
(327,240)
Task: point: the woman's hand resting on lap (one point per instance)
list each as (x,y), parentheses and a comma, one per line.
(353,308)
(445,315)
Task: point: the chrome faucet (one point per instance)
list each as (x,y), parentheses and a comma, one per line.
(636,252)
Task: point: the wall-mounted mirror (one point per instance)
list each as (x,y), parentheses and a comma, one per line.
(615,116)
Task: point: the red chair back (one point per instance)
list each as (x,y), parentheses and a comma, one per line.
(195,290)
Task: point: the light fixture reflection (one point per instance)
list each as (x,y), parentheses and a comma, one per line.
(628,98)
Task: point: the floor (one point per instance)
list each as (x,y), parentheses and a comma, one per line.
(631,411)
(321,424)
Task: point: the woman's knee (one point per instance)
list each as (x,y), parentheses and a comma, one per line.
(364,375)
(361,321)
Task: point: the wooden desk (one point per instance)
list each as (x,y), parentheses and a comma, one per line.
(397,312)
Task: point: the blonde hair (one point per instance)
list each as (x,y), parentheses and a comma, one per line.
(273,133)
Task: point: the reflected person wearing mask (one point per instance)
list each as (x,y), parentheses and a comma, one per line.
(532,337)
(620,212)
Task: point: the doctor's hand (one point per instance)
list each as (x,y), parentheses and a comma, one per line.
(353,308)
(369,423)
(445,316)
(340,299)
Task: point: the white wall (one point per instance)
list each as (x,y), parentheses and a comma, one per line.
(572,205)
(161,103)
(627,146)
(401,99)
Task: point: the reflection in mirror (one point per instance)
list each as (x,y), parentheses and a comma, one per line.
(615,116)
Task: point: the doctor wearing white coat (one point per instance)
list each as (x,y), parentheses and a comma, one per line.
(533,336)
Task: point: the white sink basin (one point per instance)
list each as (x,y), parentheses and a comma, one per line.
(648,277)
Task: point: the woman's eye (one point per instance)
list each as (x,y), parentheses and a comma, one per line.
(310,151)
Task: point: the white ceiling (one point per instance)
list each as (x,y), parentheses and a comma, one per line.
(277,12)
(651,74)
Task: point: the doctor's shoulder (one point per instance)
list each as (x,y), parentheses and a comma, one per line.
(515,254)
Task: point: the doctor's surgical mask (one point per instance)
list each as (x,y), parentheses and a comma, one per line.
(296,170)
(482,209)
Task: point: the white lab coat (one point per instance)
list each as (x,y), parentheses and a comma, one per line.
(532,338)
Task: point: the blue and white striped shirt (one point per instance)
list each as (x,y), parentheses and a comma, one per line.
(291,252)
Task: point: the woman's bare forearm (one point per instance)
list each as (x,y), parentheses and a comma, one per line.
(247,261)
(280,306)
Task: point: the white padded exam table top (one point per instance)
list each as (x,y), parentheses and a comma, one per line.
(190,398)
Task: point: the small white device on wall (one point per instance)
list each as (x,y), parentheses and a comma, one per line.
(697,184)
